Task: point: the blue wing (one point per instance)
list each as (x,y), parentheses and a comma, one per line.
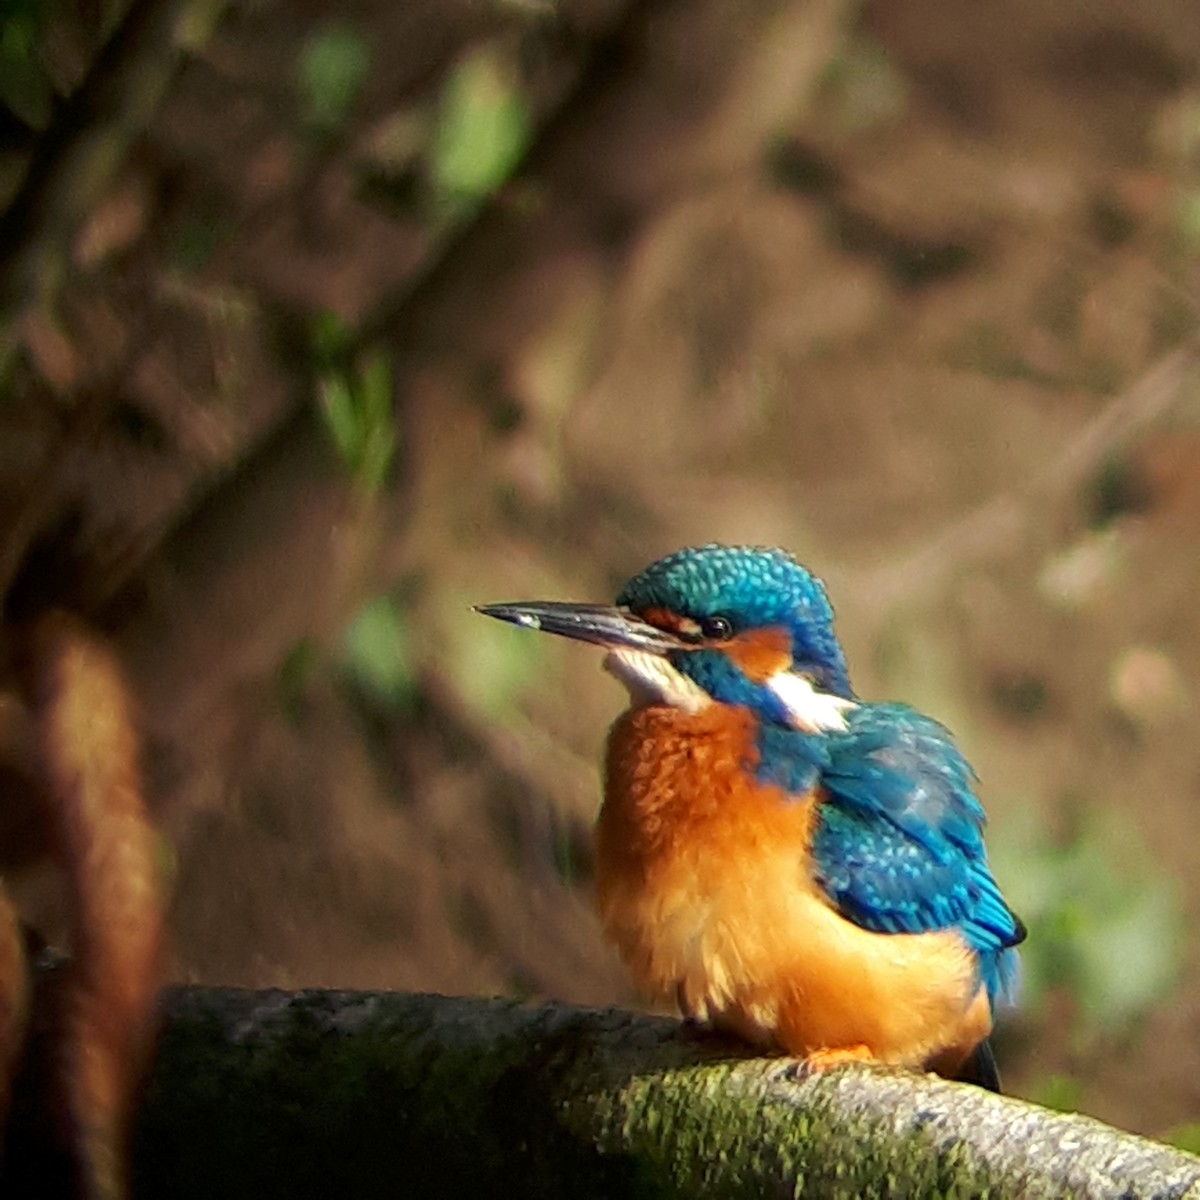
(898,845)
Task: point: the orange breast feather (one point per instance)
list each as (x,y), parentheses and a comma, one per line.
(704,882)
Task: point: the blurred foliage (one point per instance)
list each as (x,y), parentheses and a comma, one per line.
(376,655)
(333,67)
(1059,1092)
(1176,139)
(1073,576)
(1188,220)
(1104,921)
(1185,1137)
(987,349)
(488,665)
(862,90)
(355,402)
(483,129)
(196,241)
(25,88)
(293,676)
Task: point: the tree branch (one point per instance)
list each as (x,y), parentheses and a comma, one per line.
(320,1093)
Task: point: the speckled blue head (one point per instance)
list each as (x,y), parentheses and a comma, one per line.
(753,587)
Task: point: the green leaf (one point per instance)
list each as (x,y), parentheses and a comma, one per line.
(25,88)
(354,399)
(330,339)
(376,652)
(297,668)
(483,129)
(378,426)
(339,407)
(333,68)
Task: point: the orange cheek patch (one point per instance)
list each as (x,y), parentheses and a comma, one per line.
(761,653)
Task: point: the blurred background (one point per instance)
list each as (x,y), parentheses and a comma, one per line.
(320,323)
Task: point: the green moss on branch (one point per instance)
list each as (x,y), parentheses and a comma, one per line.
(325,1093)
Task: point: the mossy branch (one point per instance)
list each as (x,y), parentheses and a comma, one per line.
(318,1093)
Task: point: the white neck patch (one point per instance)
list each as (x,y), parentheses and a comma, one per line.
(650,679)
(809,709)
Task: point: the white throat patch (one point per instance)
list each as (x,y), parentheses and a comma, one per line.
(810,710)
(650,679)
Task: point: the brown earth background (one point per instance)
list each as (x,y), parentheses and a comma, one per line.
(322,323)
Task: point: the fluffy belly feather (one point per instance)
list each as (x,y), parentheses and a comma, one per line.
(704,884)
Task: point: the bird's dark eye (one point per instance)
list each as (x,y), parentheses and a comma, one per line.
(716,629)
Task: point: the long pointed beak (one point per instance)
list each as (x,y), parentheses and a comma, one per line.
(602,625)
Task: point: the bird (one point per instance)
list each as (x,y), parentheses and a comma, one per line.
(783,860)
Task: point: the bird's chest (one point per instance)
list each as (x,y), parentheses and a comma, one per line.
(699,865)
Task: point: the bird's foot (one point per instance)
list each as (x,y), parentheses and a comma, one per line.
(836,1056)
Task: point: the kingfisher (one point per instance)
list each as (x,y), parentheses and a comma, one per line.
(782,859)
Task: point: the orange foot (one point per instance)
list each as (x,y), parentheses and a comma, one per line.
(836,1056)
